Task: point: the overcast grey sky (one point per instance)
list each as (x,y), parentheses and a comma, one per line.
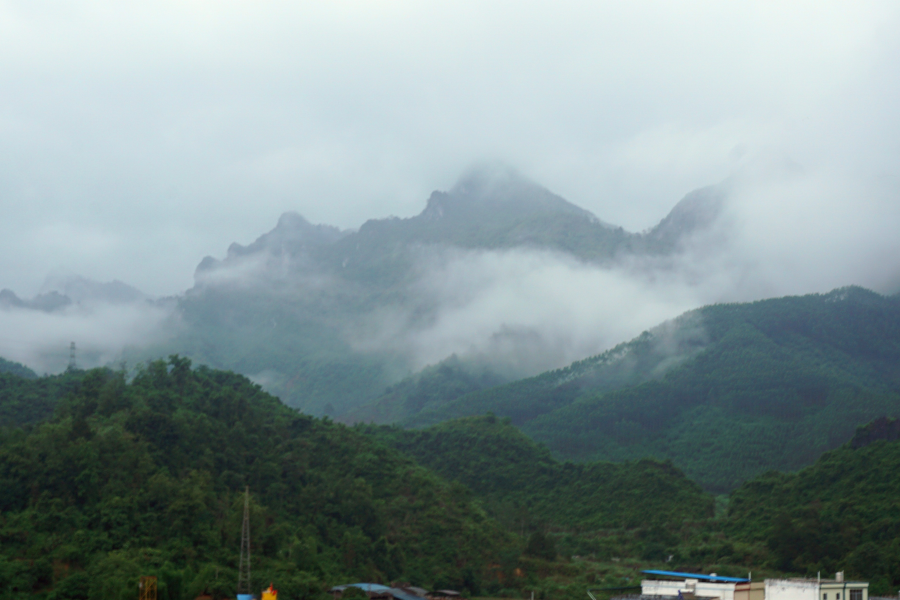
(135,138)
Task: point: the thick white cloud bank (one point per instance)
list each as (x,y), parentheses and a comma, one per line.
(138,138)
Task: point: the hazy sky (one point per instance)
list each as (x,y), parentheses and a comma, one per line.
(138,137)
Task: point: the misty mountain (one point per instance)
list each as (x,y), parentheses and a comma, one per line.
(17,369)
(324,317)
(726,391)
(87,291)
(46,302)
(59,292)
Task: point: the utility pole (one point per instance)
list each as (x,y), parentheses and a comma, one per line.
(243,585)
(72,365)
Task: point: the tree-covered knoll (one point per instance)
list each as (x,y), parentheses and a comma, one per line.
(147,476)
(431,387)
(841,513)
(14,368)
(726,391)
(27,399)
(628,364)
(519,479)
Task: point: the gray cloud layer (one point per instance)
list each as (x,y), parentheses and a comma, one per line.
(138,138)
(529,310)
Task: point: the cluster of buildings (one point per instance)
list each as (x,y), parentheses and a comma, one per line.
(694,586)
(669,585)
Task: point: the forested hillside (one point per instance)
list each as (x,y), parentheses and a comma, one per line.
(842,513)
(520,480)
(8,366)
(147,476)
(112,479)
(27,398)
(726,392)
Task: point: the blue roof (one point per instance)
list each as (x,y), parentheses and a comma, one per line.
(377,587)
(698,576)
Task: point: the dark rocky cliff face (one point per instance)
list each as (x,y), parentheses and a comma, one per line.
(881,428)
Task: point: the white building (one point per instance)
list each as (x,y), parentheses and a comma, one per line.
(689,588)
(816,589)
(694,585)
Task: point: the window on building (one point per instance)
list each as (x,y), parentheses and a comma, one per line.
(855,594)
(825,596)
(838,596)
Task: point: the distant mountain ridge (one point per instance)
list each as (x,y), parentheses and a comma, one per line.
(486,209)
(59,292)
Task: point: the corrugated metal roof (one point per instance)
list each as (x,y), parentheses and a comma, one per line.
(718,578)
(380,589)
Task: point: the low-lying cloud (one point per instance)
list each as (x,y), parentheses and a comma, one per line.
(783,231)
(101,331)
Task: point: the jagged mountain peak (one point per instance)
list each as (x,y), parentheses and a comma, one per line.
(492,206)
(697,211)
(498,188)
(83,290)
(293,233)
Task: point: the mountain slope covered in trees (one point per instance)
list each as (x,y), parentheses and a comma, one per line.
(130,478)
(516,476)
(144,476)
(841,513)
(726,391)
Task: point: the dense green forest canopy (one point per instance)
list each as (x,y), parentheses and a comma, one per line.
(27,399)
(14,368)
(112,479)
(520,479)
(139,477)
(842,513)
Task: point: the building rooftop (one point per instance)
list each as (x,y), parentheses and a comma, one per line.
(378,589)
(699,576)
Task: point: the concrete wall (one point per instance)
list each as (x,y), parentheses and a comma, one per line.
(833,588)
(792,589)
(755,590)
(701,589)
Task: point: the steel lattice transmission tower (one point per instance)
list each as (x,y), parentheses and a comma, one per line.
(148,588)
(243,585)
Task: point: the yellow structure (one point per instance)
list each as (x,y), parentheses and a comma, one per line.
(748,590)
(270,594)
(147,587)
